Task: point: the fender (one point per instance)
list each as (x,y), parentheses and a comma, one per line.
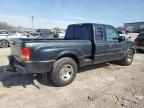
(69,53)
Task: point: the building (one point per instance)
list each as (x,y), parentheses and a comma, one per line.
(134,27)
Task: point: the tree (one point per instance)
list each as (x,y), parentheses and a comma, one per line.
(120,28)
(57,29)
(3,25)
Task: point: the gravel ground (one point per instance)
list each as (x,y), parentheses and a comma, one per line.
(99,86)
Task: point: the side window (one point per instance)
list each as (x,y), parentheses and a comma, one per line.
(99,34)
(86,32)
(111,33)
(79,32)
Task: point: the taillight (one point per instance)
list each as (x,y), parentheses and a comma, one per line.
(25,54)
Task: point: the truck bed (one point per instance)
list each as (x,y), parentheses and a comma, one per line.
(45,50)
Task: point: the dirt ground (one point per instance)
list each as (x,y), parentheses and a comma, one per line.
(99,86)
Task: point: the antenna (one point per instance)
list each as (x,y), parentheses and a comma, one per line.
(32,18)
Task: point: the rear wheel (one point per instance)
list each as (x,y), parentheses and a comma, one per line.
(64,71)
(128,59)
(4,44)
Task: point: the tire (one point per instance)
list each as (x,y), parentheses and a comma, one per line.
(128,59)
(56,36)
(4,44)
(64,71)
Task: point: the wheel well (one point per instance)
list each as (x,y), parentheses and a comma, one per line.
(74,57)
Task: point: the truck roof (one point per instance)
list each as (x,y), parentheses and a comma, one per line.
(91,24)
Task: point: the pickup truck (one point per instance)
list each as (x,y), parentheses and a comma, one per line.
(84,44)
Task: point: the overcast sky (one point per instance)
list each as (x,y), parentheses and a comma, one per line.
(51,13)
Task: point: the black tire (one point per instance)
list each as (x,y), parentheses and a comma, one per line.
(56,36)
(128,58)
(4,44)
(59,69)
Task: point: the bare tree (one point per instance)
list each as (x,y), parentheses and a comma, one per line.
(120,28)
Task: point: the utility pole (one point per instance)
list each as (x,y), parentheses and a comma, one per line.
(32,18)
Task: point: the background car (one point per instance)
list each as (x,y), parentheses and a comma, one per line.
(46,34)
(5,36)
(122,33)
(140,41)
(61,35)
(15,34)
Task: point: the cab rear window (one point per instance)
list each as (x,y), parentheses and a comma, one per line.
(81,32)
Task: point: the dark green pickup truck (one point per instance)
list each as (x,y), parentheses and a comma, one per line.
(84,44)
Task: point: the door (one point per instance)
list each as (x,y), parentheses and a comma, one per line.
(100,44)
(115,48)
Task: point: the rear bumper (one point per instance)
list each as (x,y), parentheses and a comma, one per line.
(30,67)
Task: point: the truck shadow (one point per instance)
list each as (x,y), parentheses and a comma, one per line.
(10,79)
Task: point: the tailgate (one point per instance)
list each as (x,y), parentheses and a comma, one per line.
(15,48)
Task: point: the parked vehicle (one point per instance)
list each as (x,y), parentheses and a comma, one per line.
(15,34)
(84,44)
(3,32)
(5,36)
(61,35)
(140,41)
(126,35)
(46,34)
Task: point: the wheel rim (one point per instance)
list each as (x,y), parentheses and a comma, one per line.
(4,44)
(129,57)
(66,72)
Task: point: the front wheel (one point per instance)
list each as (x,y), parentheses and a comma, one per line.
(128,59)
(64,71)
(4,44)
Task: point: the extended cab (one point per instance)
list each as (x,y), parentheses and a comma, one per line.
(84,44)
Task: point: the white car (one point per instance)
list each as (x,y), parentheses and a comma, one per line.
(61,35)
(3,33)
(127,36)
(6,36)
(3,38)
(17,35)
